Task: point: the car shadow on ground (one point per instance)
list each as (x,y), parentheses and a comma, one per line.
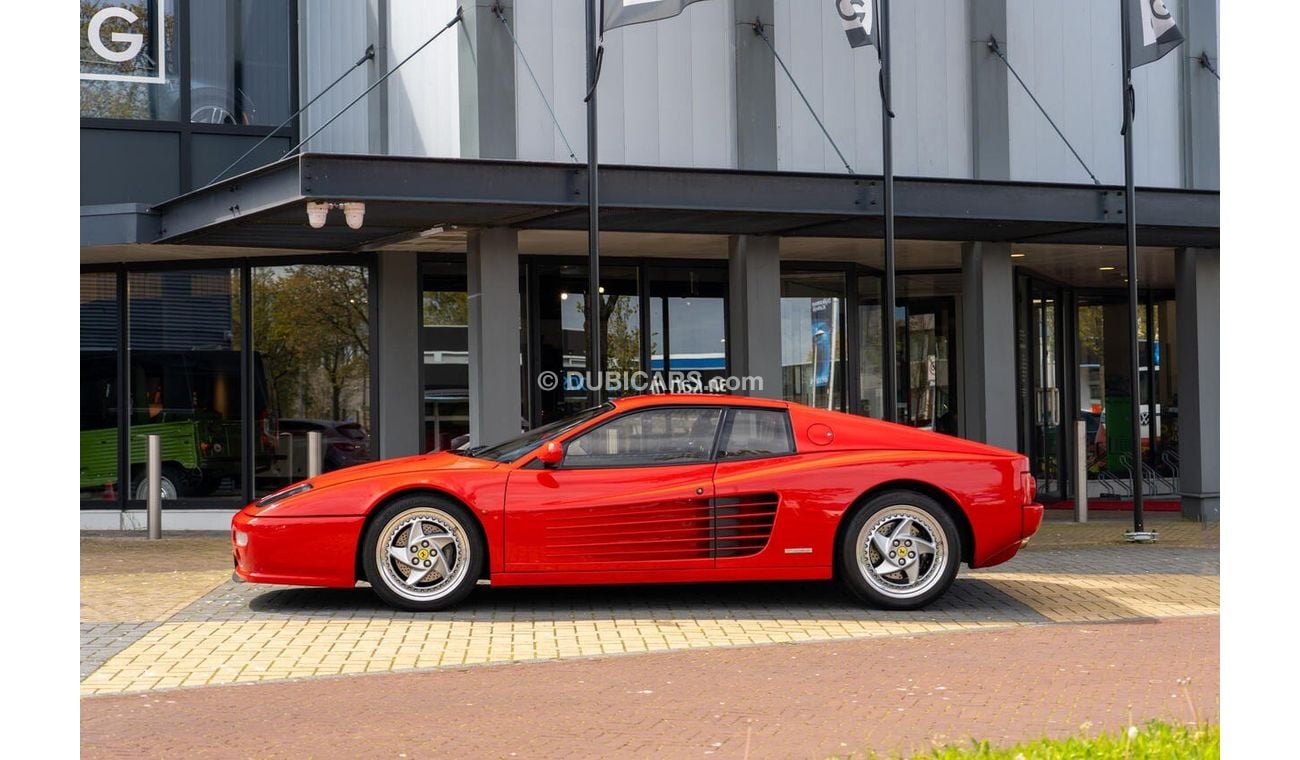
(969,599)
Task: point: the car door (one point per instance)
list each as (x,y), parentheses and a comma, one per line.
(632,494)
(765,495)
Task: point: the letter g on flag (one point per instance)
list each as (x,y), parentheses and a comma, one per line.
(856,21)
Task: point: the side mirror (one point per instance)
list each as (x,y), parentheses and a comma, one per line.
(552,453)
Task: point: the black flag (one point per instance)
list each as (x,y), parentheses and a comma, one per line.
(858,20)
(1152,31)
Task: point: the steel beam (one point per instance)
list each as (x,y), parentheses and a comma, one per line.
(719,201)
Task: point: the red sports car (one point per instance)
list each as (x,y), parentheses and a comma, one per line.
(655,489)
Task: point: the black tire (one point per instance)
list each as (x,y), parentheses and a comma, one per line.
(902,527)
(447,526)
(172,480)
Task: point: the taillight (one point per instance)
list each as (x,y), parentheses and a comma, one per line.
(1028,487)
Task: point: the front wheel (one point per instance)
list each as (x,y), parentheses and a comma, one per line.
(900,552)
(423,553)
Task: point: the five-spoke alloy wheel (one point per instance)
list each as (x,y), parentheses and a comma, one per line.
(423,553)
(900,552)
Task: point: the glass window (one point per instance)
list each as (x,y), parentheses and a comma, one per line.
(925,326)
(239,62)
(128,60)
(185,383)
(444,337)
(655,436)
(311,335)
(812,338)
(755,433)
(688,330)
(871,367)
(99,386)
(562,318)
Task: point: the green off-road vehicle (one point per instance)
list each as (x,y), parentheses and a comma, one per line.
(192,400)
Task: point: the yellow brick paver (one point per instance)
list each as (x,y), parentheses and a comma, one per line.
(208,653)
(143,597)
(1066,598)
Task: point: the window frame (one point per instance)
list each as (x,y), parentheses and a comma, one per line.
(711,458)
(187,129)
(731,411)
(245,266)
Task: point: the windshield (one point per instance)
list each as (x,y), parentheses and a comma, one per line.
(517,447)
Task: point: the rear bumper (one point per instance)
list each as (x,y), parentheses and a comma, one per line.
(1031,517)
(295,551)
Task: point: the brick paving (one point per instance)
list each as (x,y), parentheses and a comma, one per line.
(842,698)
(241,633)
(1039,645)
(100,641)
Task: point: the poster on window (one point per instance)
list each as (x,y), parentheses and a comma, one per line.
(825,345)
(123,41)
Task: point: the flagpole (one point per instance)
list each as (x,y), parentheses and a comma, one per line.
(887,290)
(1130,220)
(594,366)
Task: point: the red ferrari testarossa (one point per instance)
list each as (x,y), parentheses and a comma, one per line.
(655,489)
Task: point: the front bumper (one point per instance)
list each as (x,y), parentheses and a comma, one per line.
(296,551)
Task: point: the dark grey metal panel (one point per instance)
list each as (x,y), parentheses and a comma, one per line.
(118,224)
(990,143)
(125,166)
(487,81)
(1201,111)
(211,154)
(755,89)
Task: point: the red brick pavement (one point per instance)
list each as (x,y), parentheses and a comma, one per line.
(801,700)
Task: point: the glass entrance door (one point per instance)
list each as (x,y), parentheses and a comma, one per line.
(1041,381)
(927,363)
(1105,394)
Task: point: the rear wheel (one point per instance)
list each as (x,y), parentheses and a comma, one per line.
(900,552)
(423,553)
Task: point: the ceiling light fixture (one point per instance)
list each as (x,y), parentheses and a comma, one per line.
(317,211)
(354,213)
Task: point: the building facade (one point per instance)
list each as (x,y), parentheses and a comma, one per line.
(447,280)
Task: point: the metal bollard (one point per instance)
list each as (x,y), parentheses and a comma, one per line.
(315,460)
(1081,471)
(154,500)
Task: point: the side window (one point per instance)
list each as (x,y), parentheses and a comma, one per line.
(677,435)
(755,433)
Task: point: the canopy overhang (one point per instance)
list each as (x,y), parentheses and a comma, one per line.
(406,197)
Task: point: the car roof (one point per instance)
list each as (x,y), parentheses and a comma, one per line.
(695,399)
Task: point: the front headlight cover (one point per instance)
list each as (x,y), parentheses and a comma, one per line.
(283,494)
